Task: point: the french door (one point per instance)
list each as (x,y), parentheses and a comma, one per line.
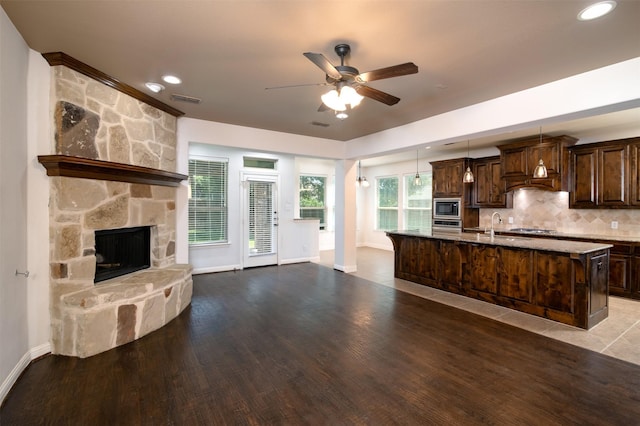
(260,220)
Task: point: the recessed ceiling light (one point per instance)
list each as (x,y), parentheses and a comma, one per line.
(596,10)
(155,87)
(171,79)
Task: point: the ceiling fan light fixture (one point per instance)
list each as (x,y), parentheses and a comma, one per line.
(341,115)
(333,101)
(349,96)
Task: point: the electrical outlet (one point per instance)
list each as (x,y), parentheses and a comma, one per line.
(511,219)
(614,224)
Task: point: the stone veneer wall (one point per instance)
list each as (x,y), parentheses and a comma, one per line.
(550,210)
(95,121)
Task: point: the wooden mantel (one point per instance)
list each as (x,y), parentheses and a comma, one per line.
(68,166)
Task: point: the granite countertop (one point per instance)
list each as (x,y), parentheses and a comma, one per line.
(543,244)
(552,233)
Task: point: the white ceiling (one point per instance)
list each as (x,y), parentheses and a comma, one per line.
(228,52)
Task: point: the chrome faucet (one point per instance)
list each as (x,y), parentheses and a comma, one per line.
(493,233)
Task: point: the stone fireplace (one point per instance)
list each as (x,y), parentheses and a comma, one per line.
(96,127)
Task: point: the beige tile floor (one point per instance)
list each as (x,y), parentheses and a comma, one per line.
(617,336)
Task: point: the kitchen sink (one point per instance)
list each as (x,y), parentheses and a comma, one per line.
(532,230)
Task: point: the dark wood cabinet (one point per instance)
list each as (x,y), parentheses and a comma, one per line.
(482,276)
(605,175)
(624,263)
(569,287)
(634,156)
(489,190)
(515,273)
(447,178)
(520,158)
(450,271)
(583,178)
(447,183)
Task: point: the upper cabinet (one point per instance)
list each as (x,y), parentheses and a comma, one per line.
(605,175)
(519,159)
(489,189)
(447,178)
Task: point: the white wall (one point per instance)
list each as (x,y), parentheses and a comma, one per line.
(240,140)
(14,332)
(297,241)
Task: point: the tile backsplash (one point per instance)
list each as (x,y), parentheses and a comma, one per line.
(550,210)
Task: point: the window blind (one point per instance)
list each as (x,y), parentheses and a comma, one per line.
(208,180)
(260,218)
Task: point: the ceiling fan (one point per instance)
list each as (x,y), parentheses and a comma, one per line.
(349,83)
(342,76)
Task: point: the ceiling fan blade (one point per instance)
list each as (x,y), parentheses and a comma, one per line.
(323,108)
(394,71)
(377,95)
(324,64)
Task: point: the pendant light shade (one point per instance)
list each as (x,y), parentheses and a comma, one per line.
(468,175)
(540,172)
(417,181)
(361,181)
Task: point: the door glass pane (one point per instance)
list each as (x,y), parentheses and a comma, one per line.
(260,218)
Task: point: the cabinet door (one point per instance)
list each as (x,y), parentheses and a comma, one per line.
(548,152)
(514,162)
(450,265)
(481,184)
(634,156)
(554,283)
(515,273)
(455,172)
(440,180)
(598,295)
(619,274)
(583,179)
(480,272)
(447,178)
(613,176)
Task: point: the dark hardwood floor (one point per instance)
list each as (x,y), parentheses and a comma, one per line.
(304,344)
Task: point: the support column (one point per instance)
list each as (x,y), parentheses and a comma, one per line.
(345,214)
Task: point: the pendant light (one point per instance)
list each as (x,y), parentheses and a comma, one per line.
(417,181)
(468,175)
(540,172)
(361,180)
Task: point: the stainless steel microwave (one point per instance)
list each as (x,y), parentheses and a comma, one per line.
(447,208)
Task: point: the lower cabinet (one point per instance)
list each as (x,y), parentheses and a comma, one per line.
(571,288)
(515,273)
(482,277)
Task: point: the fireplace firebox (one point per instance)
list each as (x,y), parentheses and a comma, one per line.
(122,251)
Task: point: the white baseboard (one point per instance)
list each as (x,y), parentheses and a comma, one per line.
(38,351)
(346,269)
(298,260)
(13,376)
(216,269)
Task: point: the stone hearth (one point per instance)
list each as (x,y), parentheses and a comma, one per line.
(95,121)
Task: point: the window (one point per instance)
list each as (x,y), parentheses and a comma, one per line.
(387,198)
(208,179)
(313,202)
(417,203)
(259,163)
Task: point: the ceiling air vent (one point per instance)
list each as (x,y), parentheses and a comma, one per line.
(185,98)
(317,123)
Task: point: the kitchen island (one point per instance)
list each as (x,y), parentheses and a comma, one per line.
(564,281)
